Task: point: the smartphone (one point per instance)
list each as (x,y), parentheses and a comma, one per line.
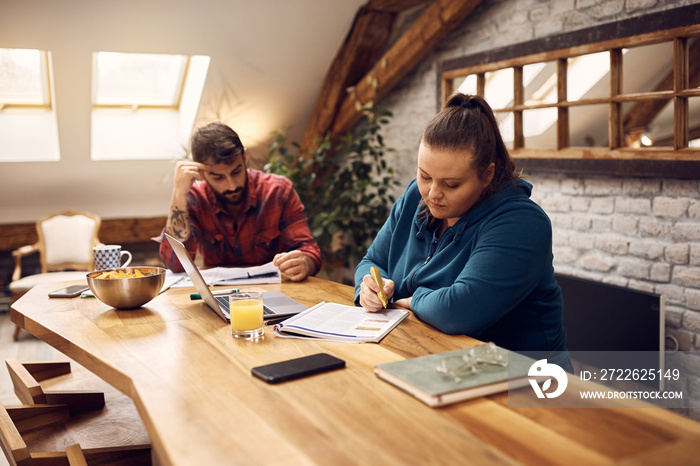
(69,291)
(298,367)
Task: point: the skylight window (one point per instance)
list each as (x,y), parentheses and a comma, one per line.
(24,78)
(26,107)
(138,79)
(144,105)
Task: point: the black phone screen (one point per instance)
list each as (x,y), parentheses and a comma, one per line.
(298,367)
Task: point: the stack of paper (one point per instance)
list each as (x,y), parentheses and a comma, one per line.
(266,273)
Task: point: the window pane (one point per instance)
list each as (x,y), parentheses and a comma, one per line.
(588,76)
(507,127)
(138,79)
(468,86)
(647,68)
(539,128)
(694,121)
(648,123)
(693,50)
(588,125)
(498,90)
(540,81)
(23,77)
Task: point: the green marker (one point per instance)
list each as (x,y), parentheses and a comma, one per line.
(215,293)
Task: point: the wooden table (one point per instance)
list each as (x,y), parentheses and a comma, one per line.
(191,383)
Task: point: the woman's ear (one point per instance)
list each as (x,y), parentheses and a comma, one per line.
(489,174)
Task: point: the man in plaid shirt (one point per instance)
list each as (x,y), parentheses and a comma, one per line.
(236,216)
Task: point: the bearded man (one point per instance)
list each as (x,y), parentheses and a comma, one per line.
(234,215)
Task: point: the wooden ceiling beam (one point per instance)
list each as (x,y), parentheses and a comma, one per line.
(364,64)
(394,5)
(366,42)
(434,24)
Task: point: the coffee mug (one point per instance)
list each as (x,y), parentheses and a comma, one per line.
(109,256)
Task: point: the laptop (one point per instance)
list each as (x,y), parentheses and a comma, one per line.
(275,304)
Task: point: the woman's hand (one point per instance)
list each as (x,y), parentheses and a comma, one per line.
(404,302)
(368,293)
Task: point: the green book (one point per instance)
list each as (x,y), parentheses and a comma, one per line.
(445,378)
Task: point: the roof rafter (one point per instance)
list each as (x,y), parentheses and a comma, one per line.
(337,110)
(365,43)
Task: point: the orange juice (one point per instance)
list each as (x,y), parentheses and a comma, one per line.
(246,314)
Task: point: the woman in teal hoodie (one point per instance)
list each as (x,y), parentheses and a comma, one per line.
(464,247)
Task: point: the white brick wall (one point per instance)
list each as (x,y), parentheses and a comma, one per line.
(639,233)
(636,232)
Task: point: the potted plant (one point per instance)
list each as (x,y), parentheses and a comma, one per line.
(346,187)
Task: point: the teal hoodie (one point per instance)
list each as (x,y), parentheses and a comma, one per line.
(490,275)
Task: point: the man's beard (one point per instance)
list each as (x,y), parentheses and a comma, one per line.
(235,197)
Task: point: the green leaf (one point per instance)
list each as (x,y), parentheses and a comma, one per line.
(343,182)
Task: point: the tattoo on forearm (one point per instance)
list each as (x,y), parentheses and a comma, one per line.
(179,224)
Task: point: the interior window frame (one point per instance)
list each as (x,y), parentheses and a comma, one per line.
(46,85)
(139,106)
(678,160)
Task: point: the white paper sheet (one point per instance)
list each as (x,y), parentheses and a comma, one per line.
(266,273)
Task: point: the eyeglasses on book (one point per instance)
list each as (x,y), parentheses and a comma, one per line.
(465,365)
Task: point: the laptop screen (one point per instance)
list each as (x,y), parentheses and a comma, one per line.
(196,277)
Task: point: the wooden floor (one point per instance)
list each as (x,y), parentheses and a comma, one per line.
(28,348)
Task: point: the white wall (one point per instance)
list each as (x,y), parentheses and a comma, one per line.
(268,61)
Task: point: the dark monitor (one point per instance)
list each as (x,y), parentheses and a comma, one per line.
(605,322)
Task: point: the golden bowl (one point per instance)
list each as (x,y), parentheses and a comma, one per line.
(127,293)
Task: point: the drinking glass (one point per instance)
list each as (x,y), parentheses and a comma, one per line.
(246,310)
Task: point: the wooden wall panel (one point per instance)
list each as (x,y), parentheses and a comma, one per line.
(112,231)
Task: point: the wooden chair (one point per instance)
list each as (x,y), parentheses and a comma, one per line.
(65,242)
(63,426)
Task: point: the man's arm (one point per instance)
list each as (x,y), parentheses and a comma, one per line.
(303,256)
(178,225)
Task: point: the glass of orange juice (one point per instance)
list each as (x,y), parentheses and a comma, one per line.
(246,314)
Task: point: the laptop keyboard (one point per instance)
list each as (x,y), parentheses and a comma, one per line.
(223,302)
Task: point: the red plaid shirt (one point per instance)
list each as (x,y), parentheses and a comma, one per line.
(271,221)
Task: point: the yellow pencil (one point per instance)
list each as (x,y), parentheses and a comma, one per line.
(376,276)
